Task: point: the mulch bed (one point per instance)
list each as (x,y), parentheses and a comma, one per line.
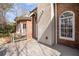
(4,40)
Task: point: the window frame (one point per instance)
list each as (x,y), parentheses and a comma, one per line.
(24,26)
(73,26)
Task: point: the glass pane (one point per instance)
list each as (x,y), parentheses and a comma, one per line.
(66,27)
(67,14)
(24,26)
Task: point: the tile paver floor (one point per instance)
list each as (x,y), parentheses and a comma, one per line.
(29,48)
(66,50)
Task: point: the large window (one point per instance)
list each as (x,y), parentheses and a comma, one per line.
(66,26)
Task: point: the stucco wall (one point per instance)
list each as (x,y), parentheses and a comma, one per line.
(28,28)
(19,27)
(45,24)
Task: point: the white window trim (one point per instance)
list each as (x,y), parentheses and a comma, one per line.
(73,25)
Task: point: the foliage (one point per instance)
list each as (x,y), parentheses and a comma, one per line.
(6,6)
(10,27)
(7,30)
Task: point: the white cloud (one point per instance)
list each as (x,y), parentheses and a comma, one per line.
(29,4)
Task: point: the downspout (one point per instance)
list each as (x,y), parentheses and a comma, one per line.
(55,16)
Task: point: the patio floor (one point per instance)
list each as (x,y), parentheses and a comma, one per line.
(29,48)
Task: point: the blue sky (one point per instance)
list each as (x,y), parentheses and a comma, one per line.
(19,7)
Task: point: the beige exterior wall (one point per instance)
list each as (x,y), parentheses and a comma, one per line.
(19,27)
(28,31)
(45,24)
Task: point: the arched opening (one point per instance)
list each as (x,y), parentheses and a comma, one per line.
(67,26)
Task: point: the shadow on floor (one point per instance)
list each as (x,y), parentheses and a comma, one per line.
(66,51)
(3,51)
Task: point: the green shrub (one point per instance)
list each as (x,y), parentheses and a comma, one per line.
(5,31)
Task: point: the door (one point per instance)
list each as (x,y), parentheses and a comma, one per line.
(23,29)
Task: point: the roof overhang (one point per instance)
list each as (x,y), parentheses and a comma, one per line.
(23,19)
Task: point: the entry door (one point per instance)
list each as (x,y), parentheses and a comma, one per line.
(23,29)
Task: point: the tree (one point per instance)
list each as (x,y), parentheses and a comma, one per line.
(4,7)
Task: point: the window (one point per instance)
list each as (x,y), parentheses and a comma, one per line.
(24,26)
(66,26)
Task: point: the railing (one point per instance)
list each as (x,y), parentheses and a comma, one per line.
(18,37)
(16,47)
